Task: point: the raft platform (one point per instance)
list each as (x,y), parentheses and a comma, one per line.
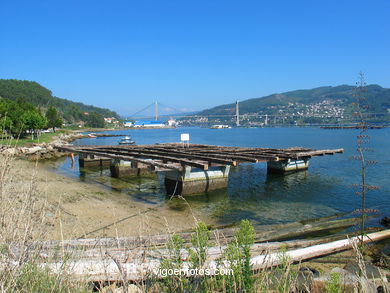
(191,168)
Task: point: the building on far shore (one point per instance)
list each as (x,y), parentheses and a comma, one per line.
(128,124)
(220,126)
(172,123)
(110,120)
(156,124)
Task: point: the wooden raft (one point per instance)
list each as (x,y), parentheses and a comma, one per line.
(174,156)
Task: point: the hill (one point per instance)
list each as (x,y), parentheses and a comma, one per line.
(34,93)
(318,105)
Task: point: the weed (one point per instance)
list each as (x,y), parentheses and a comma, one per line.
(333,285)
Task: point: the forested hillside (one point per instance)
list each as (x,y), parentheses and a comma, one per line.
(41,97)
(322,105)
(341,96)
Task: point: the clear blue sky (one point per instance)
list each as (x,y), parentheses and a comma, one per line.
(191,54)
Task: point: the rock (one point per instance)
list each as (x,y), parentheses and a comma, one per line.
(23,150)
(315,273)
(304,281)
(47,156)
(34,157)
(34,150)
(368,286)
(346,276)
(348,281)
(385,221)
(130,289)
(11,151)
(58,154)
(371,271)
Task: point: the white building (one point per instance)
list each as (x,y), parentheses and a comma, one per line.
(128,124)
(172,123)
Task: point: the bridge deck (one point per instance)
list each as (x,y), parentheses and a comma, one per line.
(175,156)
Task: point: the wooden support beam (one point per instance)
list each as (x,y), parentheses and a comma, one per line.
(144,154)
(181,154)
(124,158)
(317,153)
(201,156)
(239,156)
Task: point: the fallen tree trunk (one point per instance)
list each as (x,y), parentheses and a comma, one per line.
(264,261)
(265,233)
(142,268)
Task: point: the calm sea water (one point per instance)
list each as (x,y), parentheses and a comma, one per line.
(323,190)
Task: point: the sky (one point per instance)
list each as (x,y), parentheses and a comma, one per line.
(191,55)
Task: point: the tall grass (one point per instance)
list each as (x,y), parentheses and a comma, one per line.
(23,222)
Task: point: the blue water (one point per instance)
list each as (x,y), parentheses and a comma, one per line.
(325,189)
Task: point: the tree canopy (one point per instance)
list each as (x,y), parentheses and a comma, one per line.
(95,120)
(39,96)
(53,118)
(18,118)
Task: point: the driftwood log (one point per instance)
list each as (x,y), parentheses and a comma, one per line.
(98,259)
(135,266)
(264,233)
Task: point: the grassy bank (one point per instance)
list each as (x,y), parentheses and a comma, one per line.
(25,141)
(47,137)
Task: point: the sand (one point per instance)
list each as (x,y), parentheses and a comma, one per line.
(86,210)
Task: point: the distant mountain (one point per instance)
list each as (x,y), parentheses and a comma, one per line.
(377,97)
(34,93)
(312,106)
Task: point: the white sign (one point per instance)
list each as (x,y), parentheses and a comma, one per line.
(185,137)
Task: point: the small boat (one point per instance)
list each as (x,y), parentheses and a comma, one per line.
(127,140)
(92,135)
(220,126)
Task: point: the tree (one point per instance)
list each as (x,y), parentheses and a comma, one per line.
(10,114)
(33,121)
(95,120)
(53,118)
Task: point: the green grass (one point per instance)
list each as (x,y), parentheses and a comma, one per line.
(44,137)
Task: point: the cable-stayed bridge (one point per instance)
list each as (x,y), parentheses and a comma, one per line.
(158,111)
(153,110)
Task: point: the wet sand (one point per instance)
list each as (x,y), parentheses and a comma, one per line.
(87,210)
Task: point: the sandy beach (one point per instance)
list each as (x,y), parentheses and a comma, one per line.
(87,210)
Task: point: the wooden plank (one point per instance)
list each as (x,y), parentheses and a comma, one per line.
(124,158)
(178,154)
(143,154)
(173,153)
(214,157)
(235,154)
(200,156)
(317,153)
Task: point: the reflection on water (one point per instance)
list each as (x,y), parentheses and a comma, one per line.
(252,193)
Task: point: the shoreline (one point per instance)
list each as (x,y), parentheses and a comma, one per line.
(87,210)
(121,208)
